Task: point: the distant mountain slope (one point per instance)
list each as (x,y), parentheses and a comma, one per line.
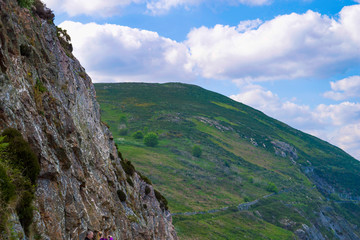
(245,155)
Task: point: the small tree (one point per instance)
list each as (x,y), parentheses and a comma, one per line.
(151,139)
(138,135)
(271,187)
(196,151)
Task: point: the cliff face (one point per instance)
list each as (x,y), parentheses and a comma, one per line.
(46,94)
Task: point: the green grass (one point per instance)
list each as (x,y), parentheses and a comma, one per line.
(230,224)
(231,169)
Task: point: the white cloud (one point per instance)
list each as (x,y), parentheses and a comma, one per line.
(344,89)
(337,124)
(118,53)
(296,115)
(287,47)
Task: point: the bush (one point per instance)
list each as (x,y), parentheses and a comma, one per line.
(147,190)
(196,151)
(40,86)
(130,182)
(121,195)
(64,39)
(24,211)
(129,169)
(21,155)
(145,179)
(19,170)
(138,135)
(151,139)
(7,189)
(271,187)
(162,200)
(25,3)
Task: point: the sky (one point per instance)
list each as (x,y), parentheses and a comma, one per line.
(295,60)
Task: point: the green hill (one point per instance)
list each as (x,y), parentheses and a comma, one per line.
(245,155)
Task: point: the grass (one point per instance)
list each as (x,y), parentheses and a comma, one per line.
(230,224)
(238,161)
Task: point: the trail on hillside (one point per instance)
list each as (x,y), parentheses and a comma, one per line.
(240,207)
(247,205)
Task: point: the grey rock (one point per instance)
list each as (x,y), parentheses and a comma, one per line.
(80,168)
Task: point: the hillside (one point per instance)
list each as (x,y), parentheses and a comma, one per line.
(296,185)
(60,172)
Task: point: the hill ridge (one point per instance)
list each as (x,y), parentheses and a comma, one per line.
(245,155)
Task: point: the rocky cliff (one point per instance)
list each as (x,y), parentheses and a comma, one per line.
(46,95)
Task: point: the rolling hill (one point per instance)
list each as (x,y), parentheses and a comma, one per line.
(256,177)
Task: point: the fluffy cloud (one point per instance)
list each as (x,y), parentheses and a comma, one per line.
(287,47)
(117,53)
(296,115)
(345,88)
(337,123)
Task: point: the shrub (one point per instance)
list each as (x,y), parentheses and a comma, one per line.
(19,170)
(21,155)
(129,169)
(138,135)
(119,153)
(130,182)
(25,3)
(40,86)
(24,210)
(64,39)
(147,190)
(151,139)
(145,179)
(121,195)
(271,187)
(7,189)
(162,200)
(196,151)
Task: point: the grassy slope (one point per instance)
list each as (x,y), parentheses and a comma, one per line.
(231,169)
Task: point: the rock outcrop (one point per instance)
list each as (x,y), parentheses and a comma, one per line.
(46,95)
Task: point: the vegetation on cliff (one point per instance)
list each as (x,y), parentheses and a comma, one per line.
(19,170)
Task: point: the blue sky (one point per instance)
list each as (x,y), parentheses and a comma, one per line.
(295,60)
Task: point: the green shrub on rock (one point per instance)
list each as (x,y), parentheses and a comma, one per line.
(162,200)
(25,3)
(121,195)
(21,155)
